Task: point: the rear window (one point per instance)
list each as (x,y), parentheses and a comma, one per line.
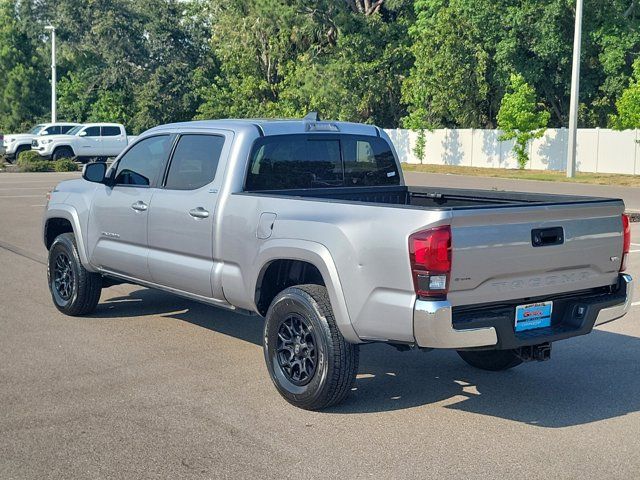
(313,161)
(194,161)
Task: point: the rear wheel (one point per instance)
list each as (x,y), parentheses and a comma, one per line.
(309,361)
(62,153)
(492,360)
(74,290)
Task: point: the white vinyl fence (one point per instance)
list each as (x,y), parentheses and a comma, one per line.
(599,150)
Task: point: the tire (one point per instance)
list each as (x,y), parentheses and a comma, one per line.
(19,150)
(309,361)
(62,152)
(74,290)
(491,360)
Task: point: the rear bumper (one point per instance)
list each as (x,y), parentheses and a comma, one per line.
(437,324)
(614,312)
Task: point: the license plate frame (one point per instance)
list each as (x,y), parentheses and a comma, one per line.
(532,316)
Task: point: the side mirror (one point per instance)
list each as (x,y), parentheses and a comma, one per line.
(94,172)
(83,133)
(44,132)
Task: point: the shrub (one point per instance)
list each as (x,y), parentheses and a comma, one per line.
(65,165)
(31,161)
(421,143)
(29,156)
(521,118)
(628,105)
(37,166)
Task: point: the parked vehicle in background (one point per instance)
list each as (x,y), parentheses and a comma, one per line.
(311,225)
(17,143)
(2,148)
(84,142)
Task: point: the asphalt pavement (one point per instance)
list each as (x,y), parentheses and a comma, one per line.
(154,386)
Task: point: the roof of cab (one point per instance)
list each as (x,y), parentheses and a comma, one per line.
(273,126)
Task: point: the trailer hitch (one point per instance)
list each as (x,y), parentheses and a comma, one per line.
(539,353)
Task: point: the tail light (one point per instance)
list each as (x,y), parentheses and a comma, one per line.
(430,257)
(626,241)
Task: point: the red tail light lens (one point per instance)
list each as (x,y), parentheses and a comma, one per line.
(626,242)
(430,257)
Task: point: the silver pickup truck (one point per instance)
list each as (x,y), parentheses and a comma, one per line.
(309,224)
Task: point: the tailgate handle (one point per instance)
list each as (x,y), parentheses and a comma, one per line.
(544,237)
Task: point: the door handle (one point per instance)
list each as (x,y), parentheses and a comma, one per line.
(140,206)
(198,212)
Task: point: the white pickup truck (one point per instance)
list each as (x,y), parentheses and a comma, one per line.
(89,141)
(15,144)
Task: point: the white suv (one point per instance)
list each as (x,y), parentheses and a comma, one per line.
(20,142)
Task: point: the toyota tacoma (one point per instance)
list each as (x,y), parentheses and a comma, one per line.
(309,224)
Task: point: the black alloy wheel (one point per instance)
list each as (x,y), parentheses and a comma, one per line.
(296,347)
(63,277)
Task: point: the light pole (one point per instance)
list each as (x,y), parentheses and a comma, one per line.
(575,93)
(53,71)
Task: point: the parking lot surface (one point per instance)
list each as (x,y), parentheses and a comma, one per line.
(154,386)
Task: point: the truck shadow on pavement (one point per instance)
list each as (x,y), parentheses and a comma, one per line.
(590,378)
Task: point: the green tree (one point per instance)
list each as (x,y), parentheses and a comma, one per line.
(285,58)
(179,62)
(252,41)
(24,85)
(359,77)
(450,84)
(141,64)
(465,51)
(419,150)
(520,117)
(419,63)
(628,105)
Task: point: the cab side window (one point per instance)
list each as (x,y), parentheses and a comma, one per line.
(65,128)
(92,132)
(143,162)
(52,130)
(110,131)
(194,161)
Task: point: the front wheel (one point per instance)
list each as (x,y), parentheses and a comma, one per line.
(309,361)
(62,153)
(21,149)
(74,290)
(492,360)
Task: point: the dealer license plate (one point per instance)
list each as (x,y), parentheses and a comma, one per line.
(533,315)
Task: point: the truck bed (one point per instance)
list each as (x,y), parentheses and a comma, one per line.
(493,231)
(435,197)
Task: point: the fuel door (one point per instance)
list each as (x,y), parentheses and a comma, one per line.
(265,225)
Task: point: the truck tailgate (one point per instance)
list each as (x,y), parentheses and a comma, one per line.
(494,258)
